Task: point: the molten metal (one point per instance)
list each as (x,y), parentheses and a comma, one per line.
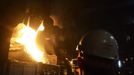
(26,36)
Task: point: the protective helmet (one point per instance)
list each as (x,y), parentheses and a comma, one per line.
(99,43)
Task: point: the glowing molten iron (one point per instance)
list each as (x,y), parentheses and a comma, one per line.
(27,37)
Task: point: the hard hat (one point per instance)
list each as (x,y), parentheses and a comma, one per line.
(99,43)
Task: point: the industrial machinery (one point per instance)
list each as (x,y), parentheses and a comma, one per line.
(31,51)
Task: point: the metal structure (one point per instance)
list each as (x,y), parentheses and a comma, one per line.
(20,68)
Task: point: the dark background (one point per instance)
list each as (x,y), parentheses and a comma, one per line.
(75,17)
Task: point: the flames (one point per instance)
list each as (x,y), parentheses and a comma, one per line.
(26,36)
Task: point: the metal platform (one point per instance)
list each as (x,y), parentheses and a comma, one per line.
(20,68)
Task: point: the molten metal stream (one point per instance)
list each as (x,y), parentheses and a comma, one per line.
(27,37)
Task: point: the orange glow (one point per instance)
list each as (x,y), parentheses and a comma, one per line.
(41,27)
(27,37)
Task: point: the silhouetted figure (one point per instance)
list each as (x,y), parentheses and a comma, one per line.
(97,53)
